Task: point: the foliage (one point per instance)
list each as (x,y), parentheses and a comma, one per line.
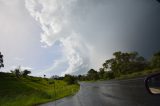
(30,91)
(101,73)
(18,73)
(125,64)
(139,74)
(92,74)
(26,72)
(109,75)
(155,61)
(70,79)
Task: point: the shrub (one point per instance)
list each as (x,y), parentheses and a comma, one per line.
(70,79)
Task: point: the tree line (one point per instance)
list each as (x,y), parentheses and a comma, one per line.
(20,73)
(122,63)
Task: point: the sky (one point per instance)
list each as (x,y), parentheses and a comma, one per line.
(57,37)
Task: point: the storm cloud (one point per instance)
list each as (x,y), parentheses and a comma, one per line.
(89,31)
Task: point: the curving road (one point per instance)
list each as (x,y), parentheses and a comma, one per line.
(110,93)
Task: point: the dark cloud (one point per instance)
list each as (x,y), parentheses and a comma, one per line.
(91,30)
(125,25)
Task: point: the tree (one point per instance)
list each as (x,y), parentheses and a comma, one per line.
(44,76)
(55,77)
(70,79)
(17,73)
(79,77)
(101,73)
(82,77)
(92,74)
(155,61)
(124,63)
(109,75)
(1,60)
(26,72)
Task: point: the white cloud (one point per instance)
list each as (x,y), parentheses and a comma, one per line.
(77,54)
(79,27)
(55,66)
(89,31)
(9,3)
(28,68)
(18,59)
(53,18)
(17,34)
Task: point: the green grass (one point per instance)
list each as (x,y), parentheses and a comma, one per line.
(139,74)
(32,90)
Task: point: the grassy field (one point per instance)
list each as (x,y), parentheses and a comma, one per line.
(32,90)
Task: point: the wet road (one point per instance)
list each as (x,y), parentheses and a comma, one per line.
(110,93)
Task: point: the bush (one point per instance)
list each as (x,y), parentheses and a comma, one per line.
(26,72)
(70,79)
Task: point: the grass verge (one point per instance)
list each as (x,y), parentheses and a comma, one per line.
(30,91)
(138,74)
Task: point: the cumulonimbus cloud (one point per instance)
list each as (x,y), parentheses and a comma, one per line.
(53,18)
(88,31)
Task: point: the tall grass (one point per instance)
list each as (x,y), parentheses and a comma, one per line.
(31,90)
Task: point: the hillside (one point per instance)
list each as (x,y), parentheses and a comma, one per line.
(31,90)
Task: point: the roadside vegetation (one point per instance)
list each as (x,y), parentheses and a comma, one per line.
(27,91)
(17,88)
(124,66)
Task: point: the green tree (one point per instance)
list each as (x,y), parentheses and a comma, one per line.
(155,61)
(26,72)
(109,75)
(124,63)
(70,79)
(17,73)
(92,74)
(101,73)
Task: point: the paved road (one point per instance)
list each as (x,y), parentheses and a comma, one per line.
(110,93)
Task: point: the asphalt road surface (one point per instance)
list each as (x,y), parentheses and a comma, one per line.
(110,93)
